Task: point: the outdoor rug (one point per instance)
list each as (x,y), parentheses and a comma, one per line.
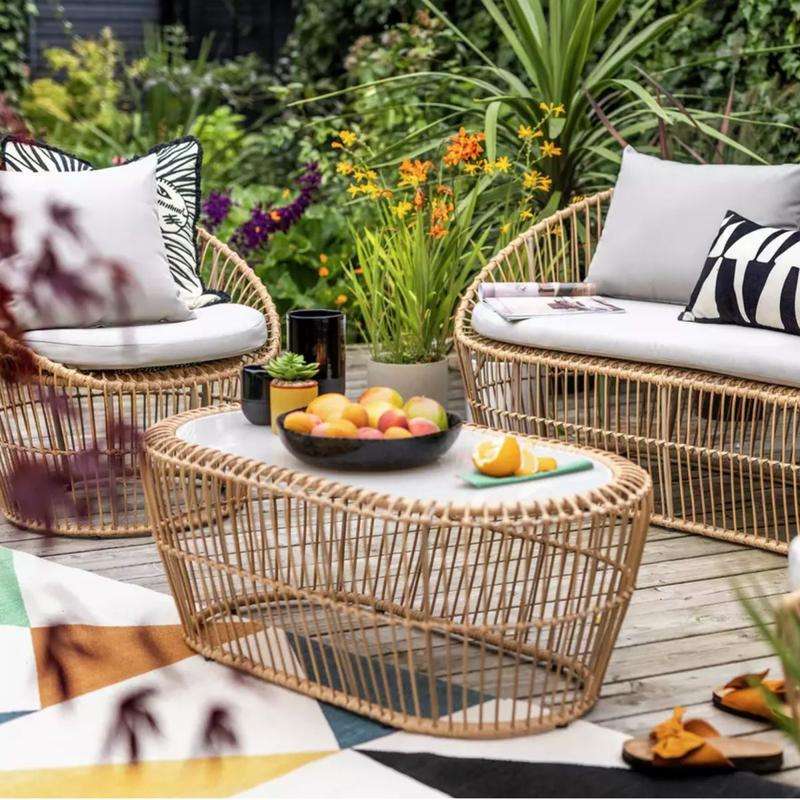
(99,697)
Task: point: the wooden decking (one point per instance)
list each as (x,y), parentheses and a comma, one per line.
(684,634)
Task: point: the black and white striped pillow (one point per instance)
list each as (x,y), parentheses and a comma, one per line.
(750,277)
(178,186)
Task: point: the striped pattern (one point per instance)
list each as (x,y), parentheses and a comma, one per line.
(750,277)
(178,198)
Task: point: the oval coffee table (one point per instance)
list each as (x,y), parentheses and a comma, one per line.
(408,597)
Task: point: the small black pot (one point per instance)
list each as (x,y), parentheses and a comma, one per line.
(370,454)
(255,394)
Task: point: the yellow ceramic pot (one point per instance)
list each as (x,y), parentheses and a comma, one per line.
(289,396)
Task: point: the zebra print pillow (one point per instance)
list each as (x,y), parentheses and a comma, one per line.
(178,198)
(749,278)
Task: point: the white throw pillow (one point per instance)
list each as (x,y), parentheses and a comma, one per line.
(109,263)
(664,215)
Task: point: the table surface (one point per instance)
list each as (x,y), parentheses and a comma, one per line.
(230,432)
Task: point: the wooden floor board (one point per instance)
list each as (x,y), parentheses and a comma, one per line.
(685,632)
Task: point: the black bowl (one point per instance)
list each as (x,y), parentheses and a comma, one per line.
(371,454)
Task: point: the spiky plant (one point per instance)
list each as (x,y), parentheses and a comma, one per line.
(291,367)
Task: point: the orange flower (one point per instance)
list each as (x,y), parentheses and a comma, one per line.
(414,173)
(463,147)
(341,300)
(445,190)
(323,259)
(441,211)
(550,149)
(437,231)
(359,270)
(324,272)
(275,216)
(419,199)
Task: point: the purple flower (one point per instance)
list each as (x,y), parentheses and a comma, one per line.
(215,210)
(255,233)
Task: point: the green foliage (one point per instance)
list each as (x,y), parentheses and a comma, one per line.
(291,367)
(14,15)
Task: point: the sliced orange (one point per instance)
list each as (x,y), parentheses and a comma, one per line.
(547,464)
(497,458)
(529,462)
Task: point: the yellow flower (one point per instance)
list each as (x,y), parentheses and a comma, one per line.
(524,131)
(353,190)
(544,107)
(348,138)
(503,164)
(324,272)
(414,173)
(471,169)
(344,167)
(323,259)
(550,149)
(505,228)
(336,145)
(559,110)
(545,183)
(402,208)
(531,179)
(341,300)
(526,214)
(362,175)
(577,198)
(286,193)
(488,167)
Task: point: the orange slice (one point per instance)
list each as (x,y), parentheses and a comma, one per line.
(547,464)
(497,458)
(529,463)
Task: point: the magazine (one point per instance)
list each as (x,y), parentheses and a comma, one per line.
(518,301)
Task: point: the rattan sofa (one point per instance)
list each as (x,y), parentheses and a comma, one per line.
(722,449)
(63,412)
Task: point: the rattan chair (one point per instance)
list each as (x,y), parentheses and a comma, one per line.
(61,413)
(722,451)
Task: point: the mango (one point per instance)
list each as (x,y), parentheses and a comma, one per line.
(382,393)
(426,408)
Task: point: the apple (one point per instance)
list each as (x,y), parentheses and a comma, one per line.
(419,426)
(426,408)
(392,418)
(328,406)
(336,429)
(375,409)
(301,422)
(382,393)
(397,433)
(369,433)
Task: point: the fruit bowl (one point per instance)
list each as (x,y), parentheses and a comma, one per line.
(370,454)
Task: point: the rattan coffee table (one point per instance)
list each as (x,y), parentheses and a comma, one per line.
(403,596)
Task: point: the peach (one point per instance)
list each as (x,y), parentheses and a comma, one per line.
(369,433)
(301,422)
(419,426)
(393,418)
(428,409)
(357,415)
(336,429)
(328,406)
(374,411)
(382,393)
(397,433)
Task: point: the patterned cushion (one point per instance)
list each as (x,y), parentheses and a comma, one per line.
(749,278)
(178,182)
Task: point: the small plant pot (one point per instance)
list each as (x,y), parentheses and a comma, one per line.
(289,396)
(428,379)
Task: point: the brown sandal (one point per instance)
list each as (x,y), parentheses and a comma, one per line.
(744,696)
(696,745)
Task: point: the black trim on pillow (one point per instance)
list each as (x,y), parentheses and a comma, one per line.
(738,285)
(19,140)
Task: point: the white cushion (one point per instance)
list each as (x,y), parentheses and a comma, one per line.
(216,332)
(113,222)
(664,216)
(653,334)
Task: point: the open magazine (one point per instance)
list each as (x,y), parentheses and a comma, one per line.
(518,301)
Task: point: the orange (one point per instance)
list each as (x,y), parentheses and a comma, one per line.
(497,458)
(547,464)
(529,464)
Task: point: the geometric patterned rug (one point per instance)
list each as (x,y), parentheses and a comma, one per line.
(94,671)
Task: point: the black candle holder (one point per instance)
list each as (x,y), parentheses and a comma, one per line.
(255,394)
(319,335)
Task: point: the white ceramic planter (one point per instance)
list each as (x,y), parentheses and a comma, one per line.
(428,379)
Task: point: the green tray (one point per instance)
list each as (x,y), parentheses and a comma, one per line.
(479,481)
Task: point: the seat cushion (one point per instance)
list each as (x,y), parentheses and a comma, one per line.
(653,334)
(216,332)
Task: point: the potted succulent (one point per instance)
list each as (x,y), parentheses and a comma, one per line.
(292,386)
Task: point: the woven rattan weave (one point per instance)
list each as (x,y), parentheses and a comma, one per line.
(722,452)
(457,621)
(61,413)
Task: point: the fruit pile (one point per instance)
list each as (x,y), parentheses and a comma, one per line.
(502,458)
(379,413)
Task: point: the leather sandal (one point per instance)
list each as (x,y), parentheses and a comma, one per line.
(696,745)
(744,696)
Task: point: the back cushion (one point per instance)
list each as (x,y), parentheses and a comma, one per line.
(664,216)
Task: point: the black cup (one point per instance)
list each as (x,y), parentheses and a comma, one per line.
(319,335)
(255,394)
